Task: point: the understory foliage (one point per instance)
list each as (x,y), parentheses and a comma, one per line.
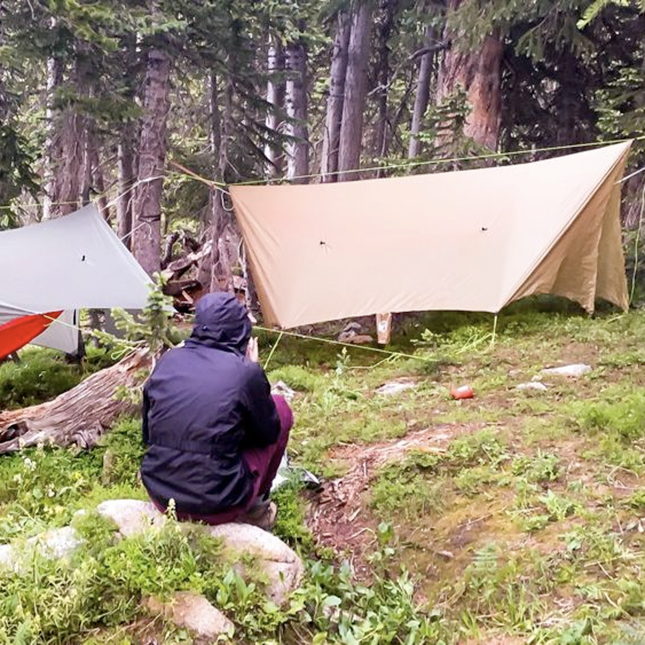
(23,383)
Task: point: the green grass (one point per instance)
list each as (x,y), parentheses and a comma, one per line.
(513,516)
(42,374)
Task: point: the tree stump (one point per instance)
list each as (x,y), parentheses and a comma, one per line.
(80,415)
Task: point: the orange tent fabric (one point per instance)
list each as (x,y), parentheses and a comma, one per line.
(18,332)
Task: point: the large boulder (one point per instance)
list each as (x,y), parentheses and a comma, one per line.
(132,516)
(275,559)
(281,565)
(192,611)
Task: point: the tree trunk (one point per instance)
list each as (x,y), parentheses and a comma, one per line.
(423,94)
(66,184)
(146,235)
(86,163)
(70,185)
(479,73)
(351,130)
(275,99)
(125,183)
(221,277)
(333,119)
(80,415)
(52,153)
(296,104)
(384,26)
(215,134)
(98,180)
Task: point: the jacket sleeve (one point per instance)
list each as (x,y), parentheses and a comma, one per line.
(144,416)
(263,422)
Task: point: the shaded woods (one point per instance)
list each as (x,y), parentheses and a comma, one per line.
(112,101)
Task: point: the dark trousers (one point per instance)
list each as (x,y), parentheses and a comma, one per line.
(263,464)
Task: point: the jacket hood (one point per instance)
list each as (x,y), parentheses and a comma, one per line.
(221,322)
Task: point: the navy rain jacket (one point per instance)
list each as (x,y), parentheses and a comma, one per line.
(204,403)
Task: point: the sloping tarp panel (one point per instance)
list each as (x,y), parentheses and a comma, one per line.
(71,263)
(587,259)
(20,331)
(472,240)
(612,283)
(63,334)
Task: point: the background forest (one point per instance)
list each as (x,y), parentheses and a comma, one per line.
(121,102)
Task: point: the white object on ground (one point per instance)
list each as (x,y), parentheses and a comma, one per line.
(533,385)
(287,473)
(395,387)
(574,370)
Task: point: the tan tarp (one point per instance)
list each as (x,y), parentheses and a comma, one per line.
(474,240)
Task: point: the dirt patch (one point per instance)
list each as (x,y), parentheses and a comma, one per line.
(338,516)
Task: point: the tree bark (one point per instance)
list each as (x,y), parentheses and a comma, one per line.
(351,130)
(72,171)
(221,277)
(215,134)
(80,415)
(125,183)
(296,104)
(422,96)
(52,153)
(384,26)
(479,73)
(66,184)
(146,234)
(333,119)
(275,99)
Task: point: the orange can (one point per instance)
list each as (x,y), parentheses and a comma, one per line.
(462,392)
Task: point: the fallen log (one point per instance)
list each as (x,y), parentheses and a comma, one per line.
(80,415)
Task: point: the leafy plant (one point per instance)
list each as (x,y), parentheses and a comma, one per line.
(152,327)
(619,412)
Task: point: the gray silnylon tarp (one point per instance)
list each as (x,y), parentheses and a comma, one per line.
(71,263)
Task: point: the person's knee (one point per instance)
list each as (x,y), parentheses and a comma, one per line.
(284,412)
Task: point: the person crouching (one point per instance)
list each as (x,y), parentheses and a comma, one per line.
(214,433)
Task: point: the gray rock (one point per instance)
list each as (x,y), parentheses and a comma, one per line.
(575,370)
(7,556)
(282,566)
(192,611)
(57,543)
(533,385)
(54,544)
(396,387)
(132,516)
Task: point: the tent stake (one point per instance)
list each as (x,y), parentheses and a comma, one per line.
(494,337)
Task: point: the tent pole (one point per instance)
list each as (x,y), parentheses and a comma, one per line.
(494,337)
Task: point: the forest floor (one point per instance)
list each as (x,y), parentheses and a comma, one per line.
(519,514)
(519,511)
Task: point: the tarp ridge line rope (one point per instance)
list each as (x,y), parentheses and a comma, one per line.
(409,164)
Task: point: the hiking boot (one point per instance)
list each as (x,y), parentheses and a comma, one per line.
(263,514)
